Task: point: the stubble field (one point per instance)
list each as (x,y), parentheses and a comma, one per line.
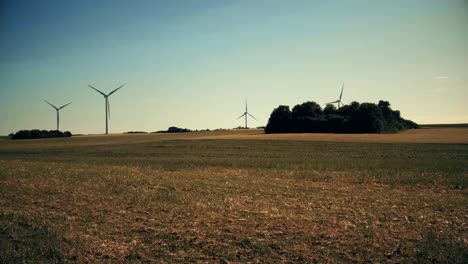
(236,196)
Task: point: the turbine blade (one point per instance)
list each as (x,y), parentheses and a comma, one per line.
(51,105)
(116,90)
(333,102)
(252,116)
(341,94)
(240,116)
(97,90)
(64,105)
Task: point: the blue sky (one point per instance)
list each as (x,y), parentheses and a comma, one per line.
(193,63)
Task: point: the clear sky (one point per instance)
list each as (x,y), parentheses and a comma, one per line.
(192,63)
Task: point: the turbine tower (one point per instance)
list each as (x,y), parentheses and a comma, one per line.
(57,109)
(106,97)
(339,99)
(246,113)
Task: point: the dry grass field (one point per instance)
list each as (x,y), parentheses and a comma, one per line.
(425,135)
(236,196)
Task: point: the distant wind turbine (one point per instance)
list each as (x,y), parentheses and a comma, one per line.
(246,113)
(339,99)
(106,96)
(57,109)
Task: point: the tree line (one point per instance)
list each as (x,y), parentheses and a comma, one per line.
(36,133)
(356,117)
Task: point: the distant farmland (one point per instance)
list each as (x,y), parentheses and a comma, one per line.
(446,125)
(236,196)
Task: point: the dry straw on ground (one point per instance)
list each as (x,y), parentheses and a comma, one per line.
(164,198)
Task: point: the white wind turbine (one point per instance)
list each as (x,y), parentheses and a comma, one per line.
(339,99)
(57,109)
(106,96)
(246,113)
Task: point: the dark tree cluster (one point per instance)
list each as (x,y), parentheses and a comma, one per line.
(36,133)
(174,130)
(309,117)
(135,132)
(178,130)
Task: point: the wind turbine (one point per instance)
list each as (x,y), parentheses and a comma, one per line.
(246,113)
(106,96)
(339,99)
(57,109)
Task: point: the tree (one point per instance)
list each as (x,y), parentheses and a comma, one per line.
(329,109)
(280,120)
(36,133)
(307,109)
(177,130)
(353,118)
(367,119)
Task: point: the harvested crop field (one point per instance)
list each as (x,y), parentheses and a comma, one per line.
(424,135)
(236,196)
